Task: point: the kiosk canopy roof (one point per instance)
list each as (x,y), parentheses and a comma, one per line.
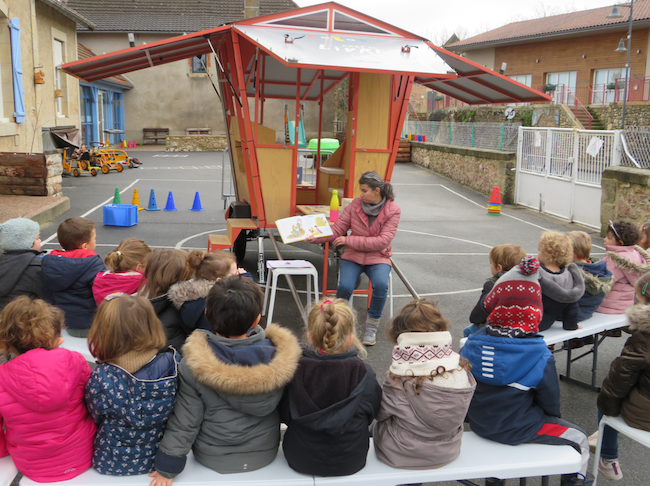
(326,37)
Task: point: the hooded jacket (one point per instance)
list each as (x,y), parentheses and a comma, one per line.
(517,386)
(189,300)
(479,315)
(68,284)
(598,282)
(561,292)
(131,411)
(226,405)
(172,321)
(328,406)
(626,389)
(627,264)
(49,433)
(366,245)
(421,431)
(20,274)
(107,283)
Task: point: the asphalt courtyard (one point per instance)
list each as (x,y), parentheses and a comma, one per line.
(442,246)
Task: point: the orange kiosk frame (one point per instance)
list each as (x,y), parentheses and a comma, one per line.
(301,55)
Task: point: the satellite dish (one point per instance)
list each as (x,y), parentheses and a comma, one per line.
(510,113)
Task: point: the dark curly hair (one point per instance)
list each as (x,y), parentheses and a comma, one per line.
(624,232)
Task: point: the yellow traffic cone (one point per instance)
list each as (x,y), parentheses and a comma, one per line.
(136,200)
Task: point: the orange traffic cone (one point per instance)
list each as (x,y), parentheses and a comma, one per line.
(136,200)
(494,203)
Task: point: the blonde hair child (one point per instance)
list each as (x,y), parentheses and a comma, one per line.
(426,393)
(332,399)
(644,239)
(130,395)
(125,272)
(47,429)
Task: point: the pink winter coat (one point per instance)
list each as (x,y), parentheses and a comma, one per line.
(626,265)
(49,432)
(367,245)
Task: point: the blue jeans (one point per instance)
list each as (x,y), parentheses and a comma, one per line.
(609,449)
(378,275)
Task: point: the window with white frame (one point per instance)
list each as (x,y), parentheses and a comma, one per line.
(199,64)
(604,87)
(525,79)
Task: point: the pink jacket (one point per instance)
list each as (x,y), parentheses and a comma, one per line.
(626,265)
(49,433)
(107,283)
(367,245)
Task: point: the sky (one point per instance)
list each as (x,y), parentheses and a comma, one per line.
(437,20)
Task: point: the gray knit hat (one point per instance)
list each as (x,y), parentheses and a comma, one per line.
(18,234)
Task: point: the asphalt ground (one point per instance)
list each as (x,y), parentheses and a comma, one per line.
(442,246)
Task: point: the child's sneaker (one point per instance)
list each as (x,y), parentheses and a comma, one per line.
(593,442)
(369,336)
(610,468)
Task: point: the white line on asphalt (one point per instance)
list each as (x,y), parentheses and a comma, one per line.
(438,254)
(180,180)
(430,294)
(95,208)
(115,245)
(179,245)
(445,237)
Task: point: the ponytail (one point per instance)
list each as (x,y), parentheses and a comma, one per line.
(374,181)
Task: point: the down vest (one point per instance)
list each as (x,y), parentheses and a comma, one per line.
(626,389)
(226,405)
(627,264)
(49,433)
(367,245)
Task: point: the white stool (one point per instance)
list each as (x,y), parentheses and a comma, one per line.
(8,471)
(617,423)
(275,272)
(390,294)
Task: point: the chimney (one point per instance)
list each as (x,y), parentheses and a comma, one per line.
(251,8)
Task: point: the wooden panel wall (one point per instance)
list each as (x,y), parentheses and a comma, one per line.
(366,161)
(23,174)
(374,111)
(277,182)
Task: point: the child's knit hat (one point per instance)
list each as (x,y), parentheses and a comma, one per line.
(18,234)
(420,353)
(515,302)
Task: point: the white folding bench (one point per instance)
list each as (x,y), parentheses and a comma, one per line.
(593,326)
(617,423)
(80,345)
(8,471)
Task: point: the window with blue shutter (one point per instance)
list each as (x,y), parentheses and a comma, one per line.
(17,70)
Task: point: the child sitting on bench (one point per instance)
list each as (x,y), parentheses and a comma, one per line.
(426,392)
(332,399)
(517,397)
(231,381)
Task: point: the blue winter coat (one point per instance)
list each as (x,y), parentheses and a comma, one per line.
(517,386)
(131,411)
(68,284)
(598,283)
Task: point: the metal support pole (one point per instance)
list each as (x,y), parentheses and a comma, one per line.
(261,262)
(402,277)
(292,287)
(627,64)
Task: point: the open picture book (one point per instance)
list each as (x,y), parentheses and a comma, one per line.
(298,228)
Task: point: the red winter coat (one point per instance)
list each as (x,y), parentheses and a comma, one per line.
(367,245)
(49,433)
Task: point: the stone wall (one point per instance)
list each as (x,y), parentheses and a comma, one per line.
(30,174)
(479,169)
(196,143)
(626,196)
(637,114)
(535,116)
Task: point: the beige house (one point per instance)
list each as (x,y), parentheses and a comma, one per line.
(34,95)
(179,95)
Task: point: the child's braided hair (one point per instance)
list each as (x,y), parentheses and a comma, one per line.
(331,327)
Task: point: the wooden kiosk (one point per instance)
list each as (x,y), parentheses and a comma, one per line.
(301,55)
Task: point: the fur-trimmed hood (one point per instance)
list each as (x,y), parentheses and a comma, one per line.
(624,263)
(561,293)
(598,279)
(237,379)
(183,292)
(639,318)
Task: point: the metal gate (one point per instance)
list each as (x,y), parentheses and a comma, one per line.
(559,171)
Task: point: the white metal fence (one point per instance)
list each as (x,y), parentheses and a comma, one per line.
(559,171)
(636,147)
(496,136)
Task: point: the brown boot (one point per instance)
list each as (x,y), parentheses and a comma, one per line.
(370,334)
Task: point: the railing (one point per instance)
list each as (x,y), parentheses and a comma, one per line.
(604,94)
(565,96)
(495,136)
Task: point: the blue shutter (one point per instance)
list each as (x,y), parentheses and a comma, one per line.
(17,69)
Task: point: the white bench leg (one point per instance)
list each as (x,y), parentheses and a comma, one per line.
(390,292)
(266,292)
(599,446)
(315,275)
(308,278)
(274,288)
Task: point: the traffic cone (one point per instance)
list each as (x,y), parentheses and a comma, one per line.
(197,203)
(117,199)
(134,144)
(123,143)
(136,200)
(494,203)
(152,202)
(170,203)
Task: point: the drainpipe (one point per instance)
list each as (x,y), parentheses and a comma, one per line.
(251,8)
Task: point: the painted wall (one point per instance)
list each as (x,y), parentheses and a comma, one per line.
(484,57)
(38,22)
(170,96)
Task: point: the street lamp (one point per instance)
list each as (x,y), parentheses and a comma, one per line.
(621,47)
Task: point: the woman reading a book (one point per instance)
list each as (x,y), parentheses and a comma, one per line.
(372,218)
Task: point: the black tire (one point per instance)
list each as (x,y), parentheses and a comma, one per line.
(119,167)
(239,247)
(83,164)
(93,172)
(105,169)
(76,173)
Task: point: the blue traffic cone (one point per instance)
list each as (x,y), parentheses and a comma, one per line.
(197,203)
(152,202)
(170,203)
